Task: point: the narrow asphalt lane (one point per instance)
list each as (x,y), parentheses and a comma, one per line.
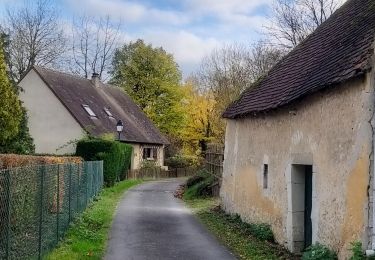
(150,223)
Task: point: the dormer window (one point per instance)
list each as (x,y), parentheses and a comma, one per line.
(89,110)
(108,112)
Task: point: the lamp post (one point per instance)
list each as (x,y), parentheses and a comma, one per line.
(119,128)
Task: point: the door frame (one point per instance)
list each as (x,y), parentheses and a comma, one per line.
(296,206)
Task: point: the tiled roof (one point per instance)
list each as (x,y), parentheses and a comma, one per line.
(74,91)
(340,49)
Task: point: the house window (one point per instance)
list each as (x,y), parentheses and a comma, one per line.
(265,176)
(108,112)
(150,153)
(89,110)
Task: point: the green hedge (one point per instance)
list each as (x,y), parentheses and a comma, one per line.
(116,157)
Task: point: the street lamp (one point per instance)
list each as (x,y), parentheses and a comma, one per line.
(119,127)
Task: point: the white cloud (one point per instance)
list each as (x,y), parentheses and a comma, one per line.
(187,48)
(190,31)
(225,6)
(129,12)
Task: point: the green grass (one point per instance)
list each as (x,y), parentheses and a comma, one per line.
(231,232)
(88,235)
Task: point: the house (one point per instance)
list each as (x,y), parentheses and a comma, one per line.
(299,147)
(63,108)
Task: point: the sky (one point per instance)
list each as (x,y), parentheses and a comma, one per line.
(189,29)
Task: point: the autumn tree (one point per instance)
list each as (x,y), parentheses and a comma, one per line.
(152,78)
(93,45)
(199,128)
(10,110)
(35,37)
(293,21)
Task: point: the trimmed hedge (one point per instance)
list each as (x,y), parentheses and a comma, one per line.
(116,157)
(16,160)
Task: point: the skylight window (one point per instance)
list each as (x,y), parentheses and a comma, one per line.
(89,110)
(106,110)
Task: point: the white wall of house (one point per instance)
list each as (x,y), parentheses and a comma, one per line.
(51,125)
(332,132)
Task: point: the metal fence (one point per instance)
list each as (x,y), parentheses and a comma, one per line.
(37,204)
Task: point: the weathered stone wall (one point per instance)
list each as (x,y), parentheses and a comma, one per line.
(330,130)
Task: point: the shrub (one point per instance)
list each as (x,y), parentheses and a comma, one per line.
(16,160)
(180,161)
(200,185)
(357,252)
(318,252)
(115,155)
(149,164)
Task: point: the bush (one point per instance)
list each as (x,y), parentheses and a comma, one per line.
(16,160)
(115,155)
(149,165)
(180,161)
(200,185)
(318,252)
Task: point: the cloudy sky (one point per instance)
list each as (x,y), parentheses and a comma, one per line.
(189,29)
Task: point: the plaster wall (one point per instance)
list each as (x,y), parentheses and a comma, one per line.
(330,130)
(51,125)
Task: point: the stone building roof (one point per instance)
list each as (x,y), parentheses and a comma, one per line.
(340,49)
(108,103)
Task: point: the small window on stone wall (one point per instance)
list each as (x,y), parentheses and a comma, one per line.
(265,176)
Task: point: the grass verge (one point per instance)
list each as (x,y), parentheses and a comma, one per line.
(88,235)
(231,232)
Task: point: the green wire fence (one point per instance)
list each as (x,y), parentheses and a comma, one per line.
(37,204)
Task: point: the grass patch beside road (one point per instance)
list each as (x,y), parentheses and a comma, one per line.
(233,232)
(87,238)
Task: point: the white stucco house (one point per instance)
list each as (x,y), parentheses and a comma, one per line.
(63,108)
(299,144)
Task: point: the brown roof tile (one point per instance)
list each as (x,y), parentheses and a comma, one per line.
(74,91)
(338,50)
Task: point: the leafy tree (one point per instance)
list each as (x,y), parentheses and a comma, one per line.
(199,128)
(152,78)
(22,143)
(10,109)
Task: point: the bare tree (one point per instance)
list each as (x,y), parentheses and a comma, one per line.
(35,37)
(263,57)
(292,21)
(94,43)
(228,71)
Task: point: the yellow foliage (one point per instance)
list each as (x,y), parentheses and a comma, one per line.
(199,121)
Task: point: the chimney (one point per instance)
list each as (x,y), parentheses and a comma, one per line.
(95,80)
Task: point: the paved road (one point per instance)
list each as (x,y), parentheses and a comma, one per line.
(151,224)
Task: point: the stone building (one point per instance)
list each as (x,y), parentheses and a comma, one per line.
(299,147)
(63,108)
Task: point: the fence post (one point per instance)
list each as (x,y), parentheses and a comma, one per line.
(70,192)
(8,207)
(42,171)
(58,202)
(78,173)
(87,181)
